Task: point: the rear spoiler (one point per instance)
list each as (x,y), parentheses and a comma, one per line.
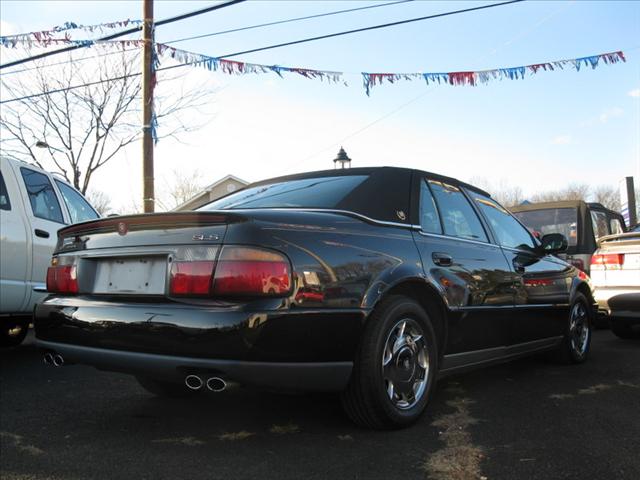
(620,237)
(150,221)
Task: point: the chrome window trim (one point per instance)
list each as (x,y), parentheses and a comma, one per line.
(321,210)
(450,237)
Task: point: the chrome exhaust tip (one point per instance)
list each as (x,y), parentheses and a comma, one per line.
(47,359)
(216,384)
(58,361)
(193,382)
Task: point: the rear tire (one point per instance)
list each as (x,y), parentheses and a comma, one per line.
(13,332)
(395,367)
(161,388)
(576,342)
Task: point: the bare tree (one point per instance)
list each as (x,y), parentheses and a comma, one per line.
(574,191)
(505,194)
(100,201)
(608,196)
(181,187)
(84,128)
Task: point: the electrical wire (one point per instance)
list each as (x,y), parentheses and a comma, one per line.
(280,22)
(277,22)
(366,29)
(267,48)
(123,33)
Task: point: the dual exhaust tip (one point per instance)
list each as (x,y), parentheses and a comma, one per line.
(54,359)
(195,382)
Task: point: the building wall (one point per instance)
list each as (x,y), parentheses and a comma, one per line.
(225,188)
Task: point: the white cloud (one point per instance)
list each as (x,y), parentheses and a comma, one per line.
(635,93)
(562,140)
(610,113)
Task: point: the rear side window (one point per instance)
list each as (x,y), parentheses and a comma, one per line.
(600,223)
(429,219)
(458,217)
(508,230)
(321,192)
(616,226)
(79,208)
(42,197)
(5,203)
(551,220)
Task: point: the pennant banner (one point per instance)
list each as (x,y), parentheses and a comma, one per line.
(44,35)
(474,78)
(233,67)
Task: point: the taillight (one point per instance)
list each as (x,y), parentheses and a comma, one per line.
(239,271)
(191,278)
(251,272)
(607,261)
(62,276)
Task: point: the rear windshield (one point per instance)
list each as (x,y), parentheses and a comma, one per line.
(320,192)
(552,220)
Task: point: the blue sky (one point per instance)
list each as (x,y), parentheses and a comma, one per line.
(541,132)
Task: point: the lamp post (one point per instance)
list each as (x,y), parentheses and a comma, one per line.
(342,159)
(43,144)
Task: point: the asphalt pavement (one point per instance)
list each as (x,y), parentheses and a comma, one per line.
(529,419)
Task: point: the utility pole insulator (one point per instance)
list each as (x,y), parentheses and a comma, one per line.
(147,107)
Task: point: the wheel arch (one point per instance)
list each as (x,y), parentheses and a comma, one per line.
(430,299)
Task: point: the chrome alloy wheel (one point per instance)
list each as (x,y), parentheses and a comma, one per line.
(579,331)
(405,364)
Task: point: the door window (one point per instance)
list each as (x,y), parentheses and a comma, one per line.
(458,217)
(509,232)
(600,223)
(79,208)
(41,196)
(429,219)
(5,203)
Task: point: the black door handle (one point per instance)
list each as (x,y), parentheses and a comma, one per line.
(41,233)
(442,259)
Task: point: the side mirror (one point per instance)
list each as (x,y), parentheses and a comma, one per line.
(554,243)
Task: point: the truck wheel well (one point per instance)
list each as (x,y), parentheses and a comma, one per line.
(428,299)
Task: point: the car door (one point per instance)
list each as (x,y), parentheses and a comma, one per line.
(469,270)
(542,283)
(46,219)
(15,264)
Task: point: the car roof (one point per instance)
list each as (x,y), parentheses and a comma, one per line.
(367,171)
(562,204)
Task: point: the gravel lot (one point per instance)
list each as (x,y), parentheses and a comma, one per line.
(529,419)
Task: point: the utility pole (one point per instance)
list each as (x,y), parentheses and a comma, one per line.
(148,81)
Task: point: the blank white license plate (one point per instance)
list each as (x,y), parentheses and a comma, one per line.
(145,276)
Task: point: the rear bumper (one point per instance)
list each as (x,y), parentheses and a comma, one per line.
(618,302)
(288,348)
(321,376)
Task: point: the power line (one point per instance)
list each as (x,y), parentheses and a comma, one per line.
(122,33)
(374,27)
(267,48)
(279,22)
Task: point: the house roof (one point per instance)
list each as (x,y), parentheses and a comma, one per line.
(205,191)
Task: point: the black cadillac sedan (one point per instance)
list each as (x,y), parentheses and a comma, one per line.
(367,281)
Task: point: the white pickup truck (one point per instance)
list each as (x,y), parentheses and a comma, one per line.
(34,205)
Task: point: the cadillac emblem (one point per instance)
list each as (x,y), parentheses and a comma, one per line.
(122,228)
